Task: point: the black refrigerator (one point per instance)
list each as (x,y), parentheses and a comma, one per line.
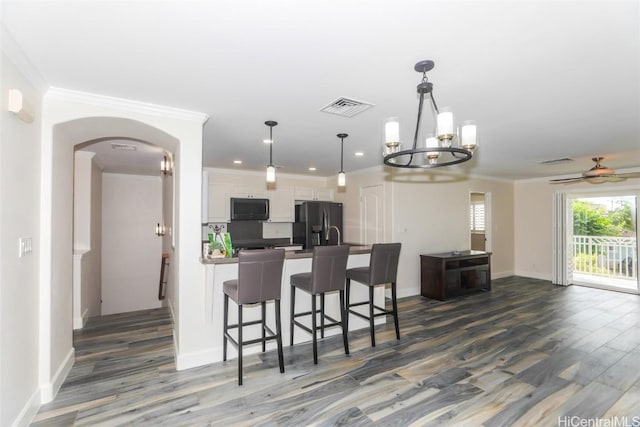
(316,224)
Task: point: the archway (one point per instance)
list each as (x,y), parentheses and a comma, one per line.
(72,118)
(120,195)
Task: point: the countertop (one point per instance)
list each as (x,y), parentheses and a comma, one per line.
(458,254)
(305,253)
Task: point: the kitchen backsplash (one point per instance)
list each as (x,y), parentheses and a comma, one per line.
(251,230)
(277,230)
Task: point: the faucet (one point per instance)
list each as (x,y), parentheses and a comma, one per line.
(337,231)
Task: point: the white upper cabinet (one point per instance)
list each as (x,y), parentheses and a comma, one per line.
(281,205)
(248,191)
(218,203)
(324,195)
(306,193)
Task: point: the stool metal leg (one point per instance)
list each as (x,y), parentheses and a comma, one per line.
(225,327)
(314,329)
(346,305)
(264,331)
(343,323)
(321,315)
(371,325)
(279,336)
(395,308)
(292,312)
(239,344)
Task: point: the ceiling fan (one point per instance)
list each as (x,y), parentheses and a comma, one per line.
(598,174)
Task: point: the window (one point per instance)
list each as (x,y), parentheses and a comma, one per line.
(476,216)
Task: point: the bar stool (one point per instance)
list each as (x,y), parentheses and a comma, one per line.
(259,280)
(382,269)
(328,269)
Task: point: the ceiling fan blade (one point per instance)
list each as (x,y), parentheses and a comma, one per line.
(615,178)
(629,175)
(565,180)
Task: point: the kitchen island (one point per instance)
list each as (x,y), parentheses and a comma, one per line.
(218,270)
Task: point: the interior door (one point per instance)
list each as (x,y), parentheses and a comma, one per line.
(371,214)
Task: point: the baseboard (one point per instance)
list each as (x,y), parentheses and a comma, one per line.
(29,410)
(501,274)
(79,322)
(48,391)
(173,316)
(411,292)
(533,275)
(194,359)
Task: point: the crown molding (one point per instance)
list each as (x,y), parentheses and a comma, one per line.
(69,95)
(14,53)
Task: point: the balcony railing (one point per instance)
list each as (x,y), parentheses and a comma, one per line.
(605,256)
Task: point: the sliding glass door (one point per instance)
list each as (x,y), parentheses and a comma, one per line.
(603,247)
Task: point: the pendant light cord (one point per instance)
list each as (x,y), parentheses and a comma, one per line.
(271,146)
(341,154)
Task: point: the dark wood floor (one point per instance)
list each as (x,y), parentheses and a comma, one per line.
(526,353)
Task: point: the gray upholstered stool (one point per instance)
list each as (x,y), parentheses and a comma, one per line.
(259,280)
(328,269)
(382,269)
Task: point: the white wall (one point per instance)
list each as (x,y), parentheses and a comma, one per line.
(534,221)
(72,118)
(92,260)
(87,182)
(171,294)
(429,213)
(131,252)
(19,277)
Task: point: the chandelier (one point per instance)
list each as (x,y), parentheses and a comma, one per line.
(448,146)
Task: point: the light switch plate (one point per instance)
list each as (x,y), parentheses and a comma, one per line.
(25,246)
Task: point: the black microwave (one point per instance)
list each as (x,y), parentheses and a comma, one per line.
(249,209)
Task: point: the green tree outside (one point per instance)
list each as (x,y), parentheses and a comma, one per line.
(590,219)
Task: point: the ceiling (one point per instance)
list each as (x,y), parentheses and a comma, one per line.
(543,80)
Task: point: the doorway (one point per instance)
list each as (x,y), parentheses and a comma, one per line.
(603,235)
(480,221)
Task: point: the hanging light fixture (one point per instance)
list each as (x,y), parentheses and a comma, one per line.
(440,149)
(342,178)
(271,170)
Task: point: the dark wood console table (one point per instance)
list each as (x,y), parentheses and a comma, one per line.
(450,274)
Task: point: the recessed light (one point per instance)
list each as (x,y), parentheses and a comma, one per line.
(359,153)
(237,162)
(312,169)
(267,141)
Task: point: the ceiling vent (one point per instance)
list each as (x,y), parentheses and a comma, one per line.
(556,161)
(346,107)
(123,147)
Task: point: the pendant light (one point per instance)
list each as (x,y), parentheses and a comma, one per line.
(342,178)
(271,170)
